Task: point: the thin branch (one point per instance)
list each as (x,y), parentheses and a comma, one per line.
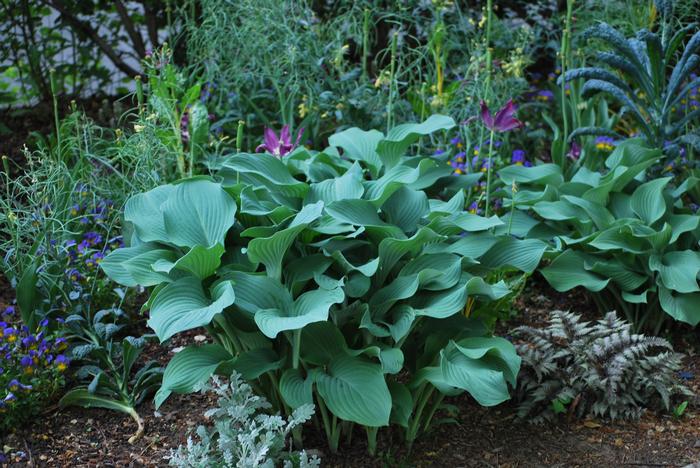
(130,29)
(151,23)
(88,31)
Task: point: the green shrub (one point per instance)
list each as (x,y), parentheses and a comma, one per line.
(628,239)
(601,370)
(354,280)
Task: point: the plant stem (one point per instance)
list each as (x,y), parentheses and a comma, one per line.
(565,52)
(372,440)
(365,44)
(489,20)
(139,92)
(52,79)
(488,176)
(239,136)
(296,345)
(139,431)
(392,82)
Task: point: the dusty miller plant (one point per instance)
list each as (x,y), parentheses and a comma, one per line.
(243,434)
(599,369)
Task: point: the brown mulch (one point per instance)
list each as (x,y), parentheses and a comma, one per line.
(488,437)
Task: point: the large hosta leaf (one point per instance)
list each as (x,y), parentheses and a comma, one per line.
(567,271)
(523,255)
(312,306)
(190,367)
(296,390)
(183,305)
(542,174)
(264,171)
(348,186)
(114,265)
(406,208)
(198,212)
(360,145)
(271,250)
(648,201)
(679,270)
(481,366)
(401,137)
(144,211)
(199,261)
(354,389)
(683,307)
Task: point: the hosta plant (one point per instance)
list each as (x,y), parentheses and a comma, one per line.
(629,240)
(598,369)
(351,278)
(650,76)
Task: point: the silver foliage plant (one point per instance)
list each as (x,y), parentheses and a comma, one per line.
(243,434)
(600,369)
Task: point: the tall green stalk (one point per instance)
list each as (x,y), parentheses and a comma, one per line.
(365,44)
(565,54)
(52,79)
(392,82)
(489,59)
(488,175)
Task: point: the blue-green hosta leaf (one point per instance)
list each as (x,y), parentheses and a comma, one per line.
(481,366)
(635,298)
(360,145)
(392,250)
(447,268)
(523,255)
(619,238)
(256,362)
(444,304)
(541,174)
(627,279)
(405,208)
(321,342)
(463,222)
(114,264)
(600,216)
(681,224)
(683,307)
(144,211)
(198,212)
(391,148)
(142,267)
(270,251)
(560,210)
(189,368)
(295,390)
(402,404)
(368,269)
(567,271)
(253,204)
(403,317)
(85,398)
(470,246)
(362,213)
(630,153)
(416,177)
(183,305)
(516,223)
(453,206)
(355,390)
(266,171)
(200,261)
(678,270)
(348,186)
(310,307)
(247,287)
(648,201)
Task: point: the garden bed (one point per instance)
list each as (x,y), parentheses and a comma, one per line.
(479,437)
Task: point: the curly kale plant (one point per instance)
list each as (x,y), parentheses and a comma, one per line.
(353,278)
(243,435)
(599,369)
(647,78)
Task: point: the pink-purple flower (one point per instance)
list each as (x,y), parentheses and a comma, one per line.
(504,120)
(279,145)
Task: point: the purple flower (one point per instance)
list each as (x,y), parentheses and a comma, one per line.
(504,119)
(10,310)
(518,157)
(61,362)
(685,375)
(439,151)
(279,146)
(575,151)
(545,95)
(605,143)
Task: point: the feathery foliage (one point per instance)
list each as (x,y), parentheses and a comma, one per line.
(600,369)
